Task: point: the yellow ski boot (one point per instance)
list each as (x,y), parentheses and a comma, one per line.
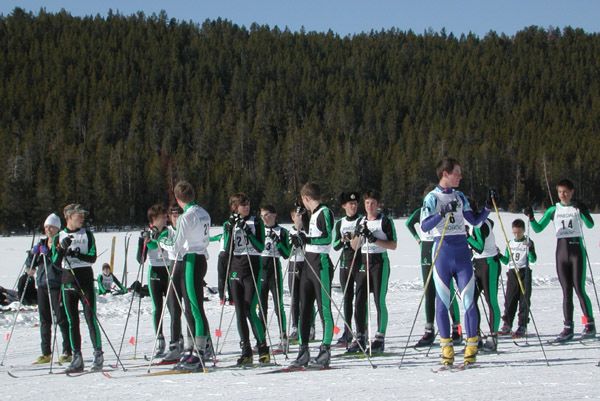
(471,350)
(447,351)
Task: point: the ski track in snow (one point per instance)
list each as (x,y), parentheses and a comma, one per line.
(514,373)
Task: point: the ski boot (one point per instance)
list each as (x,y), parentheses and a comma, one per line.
(294,335)
(589,330)
(42,359)
(209,350)
(565,335)
(344,339)
(303,357)
(65,357)
(427,339)
(311,336)
(264,356)
(378,345)
(174,352)
(520,332)
(98,362)
(457,338)
(505,330)
(323,358)
(160,347)
(246,357)
(447,351)
(187,354)
(359,345)
(471,350)
(491,344)
(76,365)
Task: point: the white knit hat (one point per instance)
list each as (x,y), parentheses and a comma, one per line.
(53,220)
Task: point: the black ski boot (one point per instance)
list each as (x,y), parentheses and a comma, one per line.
(160,348)
(264,356)
(303,357)
(505,330)
(344,339)
(293,335)
(174,352)
(491,344)
(76,365)
(589,330)
(565,335)
(427,339)
(322,360)
(378,345)
(246,357)
(359,345)
(457,338)
(520,332)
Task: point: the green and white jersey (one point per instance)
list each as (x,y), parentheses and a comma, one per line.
(276,249)
(485,234)
(244,244)
(382,228)
(523,253)
(567,222)
(320,230)
(176,257)
(191,234)
(83,242)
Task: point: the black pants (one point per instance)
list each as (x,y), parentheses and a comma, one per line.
(571,270)
(46,322)
(294,272)
(379,273)
(158,286)
(243,279)
(515,297)
(193,294)
(75,289)
(271,280)
(315,285)
(222,275)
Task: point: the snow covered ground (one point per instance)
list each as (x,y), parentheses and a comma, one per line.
(513,373)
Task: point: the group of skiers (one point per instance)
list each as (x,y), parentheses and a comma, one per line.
(458,264)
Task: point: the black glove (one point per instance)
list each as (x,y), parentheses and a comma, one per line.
(365,232)
(528,211)
(492,198)
(298,240)
(580,205)
(66,242)
(145,234)
(346,238)
(449,208)
(299,208)
(233,219)
(273,235)
(73,253)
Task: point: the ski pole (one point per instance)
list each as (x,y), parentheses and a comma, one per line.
(437,253)
(54,318)
(587,258)
(137,278)
(227,332)
(137,324)
(218,331)
(521,286)
(17,313)
(350,270)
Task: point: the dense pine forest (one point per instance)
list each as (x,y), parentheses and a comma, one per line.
(111,111)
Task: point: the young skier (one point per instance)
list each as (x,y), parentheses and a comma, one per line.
(108,283)
(350,260)
(425,241)
(444,213)
(377,235)
(315,280)
(571,255)
(158,278)
(523,253)
(75,248)
(248,236)
(191,240)
(487,272)
(49,302)
(271,279)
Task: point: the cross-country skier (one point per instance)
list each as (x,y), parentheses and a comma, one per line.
(108,283)
(567,215)
(444,213)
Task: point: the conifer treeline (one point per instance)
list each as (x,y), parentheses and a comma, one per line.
(111,111)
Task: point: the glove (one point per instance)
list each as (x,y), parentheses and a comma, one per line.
(365,232)
(40,249)
(298,240)
(273,235)
(73,253)
(528,211)
(579,205)
(467,231)
(145,234)
(299,208)
(66,242)
(449,208)
(346,238)
(492,198)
